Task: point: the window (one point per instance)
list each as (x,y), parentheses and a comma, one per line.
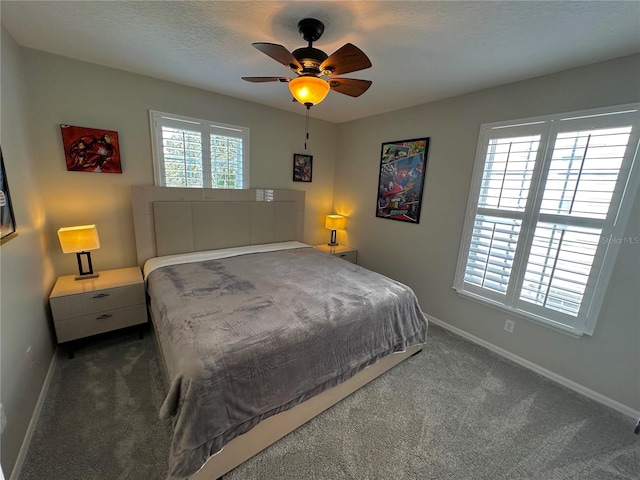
(548,205)
(189,152)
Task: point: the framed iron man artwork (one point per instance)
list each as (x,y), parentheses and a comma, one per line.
(91,150)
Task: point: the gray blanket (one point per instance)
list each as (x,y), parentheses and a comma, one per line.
(254,335)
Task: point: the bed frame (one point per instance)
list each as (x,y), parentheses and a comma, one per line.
(180,220)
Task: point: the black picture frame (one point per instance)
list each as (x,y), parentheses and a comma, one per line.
(302,167)
(403,165)
(7,219)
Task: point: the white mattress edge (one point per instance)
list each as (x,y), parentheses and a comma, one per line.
(167,260)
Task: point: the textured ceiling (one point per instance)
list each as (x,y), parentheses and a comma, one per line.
(421,51)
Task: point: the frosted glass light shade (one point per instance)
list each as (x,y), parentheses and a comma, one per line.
(79,239)
(309,90)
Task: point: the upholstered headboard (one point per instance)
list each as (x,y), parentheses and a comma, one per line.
(180,220)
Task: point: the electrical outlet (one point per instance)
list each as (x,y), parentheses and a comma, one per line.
(30,359)
(508,325)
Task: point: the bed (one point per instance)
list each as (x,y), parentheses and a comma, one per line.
(258,331)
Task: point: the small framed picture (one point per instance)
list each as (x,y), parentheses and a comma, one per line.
(302,167)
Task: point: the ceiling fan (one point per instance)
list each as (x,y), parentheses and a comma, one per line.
(311,64)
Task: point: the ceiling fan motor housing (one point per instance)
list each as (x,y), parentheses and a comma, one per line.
(310,58)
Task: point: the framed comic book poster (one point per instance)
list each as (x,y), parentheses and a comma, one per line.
(7,220)
(91,150)
(401,182)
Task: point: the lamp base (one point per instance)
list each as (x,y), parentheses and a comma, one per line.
(82,273)
(332,241)
(87,276)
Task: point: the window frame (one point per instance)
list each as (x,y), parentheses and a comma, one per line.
(159,119)
(613,225)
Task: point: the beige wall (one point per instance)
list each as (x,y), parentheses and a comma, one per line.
(26,274)
(424,256)
(65,91)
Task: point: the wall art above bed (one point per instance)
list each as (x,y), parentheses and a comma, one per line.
(401,181)
(91,150)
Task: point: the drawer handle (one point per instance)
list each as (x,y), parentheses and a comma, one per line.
(343,254)
(103,316)
(101,295)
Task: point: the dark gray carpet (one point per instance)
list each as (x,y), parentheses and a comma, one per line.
(100,419)
(455,411)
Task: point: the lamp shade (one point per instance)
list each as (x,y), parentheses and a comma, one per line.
(309,90)
(335,222)
(79,239)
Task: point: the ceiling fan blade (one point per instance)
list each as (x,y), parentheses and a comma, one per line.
(346,59)
(349,86)
(279,54)
(266,79)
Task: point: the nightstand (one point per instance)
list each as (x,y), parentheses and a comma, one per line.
(345,252)
(82,308)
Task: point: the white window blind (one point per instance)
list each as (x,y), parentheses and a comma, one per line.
(190,152)
(182,155)
(548,194)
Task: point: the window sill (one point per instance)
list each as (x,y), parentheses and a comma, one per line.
(572,332)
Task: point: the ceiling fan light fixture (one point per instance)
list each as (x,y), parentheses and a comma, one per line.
(309,90)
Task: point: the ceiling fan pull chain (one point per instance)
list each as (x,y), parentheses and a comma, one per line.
(306,128)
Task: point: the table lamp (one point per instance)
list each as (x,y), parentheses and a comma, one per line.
(80,240)
(334,222)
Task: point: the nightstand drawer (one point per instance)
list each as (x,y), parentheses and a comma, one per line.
(351,256)
(99,322)
(98,301)
(344,252)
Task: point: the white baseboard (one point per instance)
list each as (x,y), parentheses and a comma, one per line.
(576,387)
(15,474)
